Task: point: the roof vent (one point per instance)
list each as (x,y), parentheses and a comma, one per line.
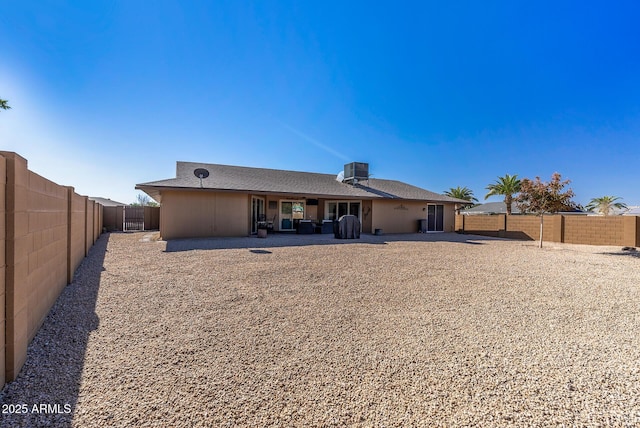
(201,173)
(356,171)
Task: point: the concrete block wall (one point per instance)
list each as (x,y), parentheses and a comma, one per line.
(47,230)
(113,218)
(570,229)
(76,248)
(151,218)
(612,230)
(3,264)
(17,265)
(528,227)
(488,225)
(88,222)
(46,240)
(459,222)
(97,221)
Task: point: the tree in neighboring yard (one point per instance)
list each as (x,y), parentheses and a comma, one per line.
(508,186)
(605,204)
(540,198)
(144,201)
(463,193)
(4,104)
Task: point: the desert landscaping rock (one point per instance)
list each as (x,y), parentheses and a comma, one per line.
(414,330)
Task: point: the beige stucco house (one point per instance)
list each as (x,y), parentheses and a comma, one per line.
(221,200)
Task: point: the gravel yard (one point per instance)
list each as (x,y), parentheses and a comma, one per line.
(415,330)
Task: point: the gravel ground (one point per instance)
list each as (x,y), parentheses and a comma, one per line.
(416,330)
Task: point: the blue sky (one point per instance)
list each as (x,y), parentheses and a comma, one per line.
(108,94)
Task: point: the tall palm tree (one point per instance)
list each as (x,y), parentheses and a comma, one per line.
(507,186)
(605,204)
(4,104)
(463,193)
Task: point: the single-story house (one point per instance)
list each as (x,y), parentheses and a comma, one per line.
(206,200)
(106,202)
(632,210)
(491,208)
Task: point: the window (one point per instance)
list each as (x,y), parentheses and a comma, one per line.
(336,209)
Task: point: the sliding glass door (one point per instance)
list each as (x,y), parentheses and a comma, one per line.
(435,218)
(257,212)
(336,209)
(291,212)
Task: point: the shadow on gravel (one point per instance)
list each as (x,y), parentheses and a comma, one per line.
(635,254)
(55,358)
(277,240)
(260,252)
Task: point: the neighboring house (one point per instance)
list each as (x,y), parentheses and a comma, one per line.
(112,213)
(501,208)
(222,200)
(107,202)
(614,211)
(490,208)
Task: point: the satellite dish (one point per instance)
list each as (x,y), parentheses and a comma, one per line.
(201,173)
(340,176)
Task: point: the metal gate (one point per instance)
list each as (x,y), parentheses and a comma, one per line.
(133,218)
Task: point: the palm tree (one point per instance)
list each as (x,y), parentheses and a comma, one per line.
(605,204)
(507,186)
(4,105)
(463,193)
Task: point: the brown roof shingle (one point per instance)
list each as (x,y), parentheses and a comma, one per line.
(263,180)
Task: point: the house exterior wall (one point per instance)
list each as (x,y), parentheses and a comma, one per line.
(311,212)
(272,213)
(367,217)
(400,216)
(198,213)
(194,213)
(449,217)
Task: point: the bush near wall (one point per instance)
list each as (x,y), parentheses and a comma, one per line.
(571,229)
(45,232)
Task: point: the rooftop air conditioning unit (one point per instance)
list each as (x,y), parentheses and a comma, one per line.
(356,171)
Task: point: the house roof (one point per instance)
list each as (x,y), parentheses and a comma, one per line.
(263,180)
(501,208)
(491,208)
(633,210)
(106,202)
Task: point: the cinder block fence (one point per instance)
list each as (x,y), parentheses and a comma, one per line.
(45,232)
(571,229)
